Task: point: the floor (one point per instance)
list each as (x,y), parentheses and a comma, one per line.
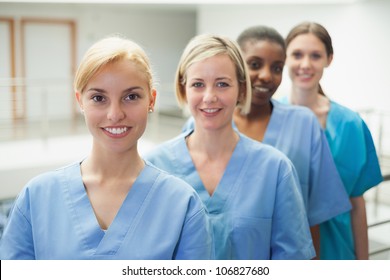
(45,142)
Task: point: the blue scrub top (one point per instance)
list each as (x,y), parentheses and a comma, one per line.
(354,153)
(162,217)
(295,131)
(257,211)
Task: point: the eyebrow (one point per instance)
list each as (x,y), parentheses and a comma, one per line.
(126,90)
(96,89)
(134,88)
(224,78)
(218,78)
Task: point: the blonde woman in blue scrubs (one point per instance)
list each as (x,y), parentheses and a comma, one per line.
(309,52)
(251,190)
(112,204)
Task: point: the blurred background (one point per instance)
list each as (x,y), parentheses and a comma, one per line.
(41,43)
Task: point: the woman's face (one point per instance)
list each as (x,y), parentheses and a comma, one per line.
(212,91)
(265,60)
(116,102)
(306,60)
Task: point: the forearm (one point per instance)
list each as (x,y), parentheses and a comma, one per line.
(315,235)
(359,227)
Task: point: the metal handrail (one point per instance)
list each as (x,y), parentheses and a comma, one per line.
(375,252)
(13,119)
(379,223)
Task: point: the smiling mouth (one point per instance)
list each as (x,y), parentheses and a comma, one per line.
(210,111)
(116,130)
(305,76)
(261,89)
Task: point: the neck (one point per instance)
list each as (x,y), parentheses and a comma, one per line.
(213,143)
(319,104)
(106,164)
(307,98)
(259,112)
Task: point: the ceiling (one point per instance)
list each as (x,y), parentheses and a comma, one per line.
(192,1)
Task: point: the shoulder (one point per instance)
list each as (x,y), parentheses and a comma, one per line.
(166,147)
(254,147)
(343,113)
(264,154)
(166,154)
(52,178)
(169,182)
(344,120)
(296,111)
(175,189)
(45,186)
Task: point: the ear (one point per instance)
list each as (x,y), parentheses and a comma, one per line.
(153,97)
(330,59)
(79,100)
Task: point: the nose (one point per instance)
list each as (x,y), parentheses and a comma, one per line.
(115,113)
(265,74)
(209,96)
(305,62)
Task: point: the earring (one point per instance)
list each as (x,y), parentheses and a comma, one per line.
(150,110)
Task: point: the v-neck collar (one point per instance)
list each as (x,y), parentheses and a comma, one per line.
(96,240)
(329,118)
(230,180)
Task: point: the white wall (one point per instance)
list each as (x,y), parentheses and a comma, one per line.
(359,74)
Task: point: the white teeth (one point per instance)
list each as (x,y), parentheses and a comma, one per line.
(116,130)
(305,75)
(210,110)
(261,89)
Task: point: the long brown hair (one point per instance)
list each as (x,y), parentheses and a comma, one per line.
(317,30)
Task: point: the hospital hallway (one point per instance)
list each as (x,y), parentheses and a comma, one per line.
(29,149)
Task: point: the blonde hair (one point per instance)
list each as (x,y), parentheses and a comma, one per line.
(109,50)
(205,46)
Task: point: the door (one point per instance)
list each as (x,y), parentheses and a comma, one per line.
(48,68)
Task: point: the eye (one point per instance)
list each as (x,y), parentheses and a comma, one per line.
(132,96)
(254,64)
(297,55)
(222,84)
(316,56)
(197,85)
(277,69)
(98,98)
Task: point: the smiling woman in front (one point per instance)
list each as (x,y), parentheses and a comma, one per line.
(112,204)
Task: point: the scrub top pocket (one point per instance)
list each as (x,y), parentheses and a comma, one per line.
(250,237)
